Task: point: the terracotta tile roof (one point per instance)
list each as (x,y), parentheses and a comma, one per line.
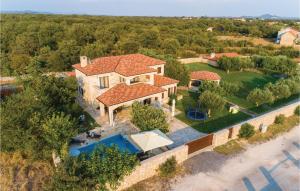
(127,65)
(163,81)
(70,74)
(204,75)
(122,93)
(219,55)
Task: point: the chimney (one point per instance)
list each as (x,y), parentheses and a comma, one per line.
(84,61)
(212,55)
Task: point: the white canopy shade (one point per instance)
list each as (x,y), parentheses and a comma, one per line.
(150,140)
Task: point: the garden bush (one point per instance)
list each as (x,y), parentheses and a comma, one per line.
(246,131)
(279,119)
(297,110)
(168,168)
(147,118)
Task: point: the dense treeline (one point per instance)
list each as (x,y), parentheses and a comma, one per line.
(54,42)
(269,64)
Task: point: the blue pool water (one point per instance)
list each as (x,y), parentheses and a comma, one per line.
(120,141)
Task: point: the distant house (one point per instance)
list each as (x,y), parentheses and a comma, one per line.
(197,77)
(288,36)
(210,29)
(213,58)
(110,83)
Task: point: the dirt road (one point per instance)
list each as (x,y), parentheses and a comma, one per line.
(271,166)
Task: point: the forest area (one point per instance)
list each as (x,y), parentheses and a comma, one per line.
(55,42)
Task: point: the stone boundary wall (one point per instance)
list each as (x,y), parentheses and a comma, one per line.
(192,60)
(221,137)
(148,167)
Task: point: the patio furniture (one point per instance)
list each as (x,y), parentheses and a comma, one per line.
(93,135)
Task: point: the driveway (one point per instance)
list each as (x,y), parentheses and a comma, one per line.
(271,166)
(182,133)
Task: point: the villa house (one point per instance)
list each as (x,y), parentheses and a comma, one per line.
(108,83)
(288,37)
(213,58)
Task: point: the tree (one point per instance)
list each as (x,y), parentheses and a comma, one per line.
(259,97)
(82,33)
(104,166)
(211,102)
(93,50)
(228,64)
(26,113)
(57,130)
(150,39)
(170,46)
(175,70)
(212,87)
(130,47)
(148,118)
(19,62)
(279,90)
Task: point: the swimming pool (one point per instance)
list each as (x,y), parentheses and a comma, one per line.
(119,140)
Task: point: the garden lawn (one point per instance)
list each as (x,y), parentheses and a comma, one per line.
(248,81)
(216,122)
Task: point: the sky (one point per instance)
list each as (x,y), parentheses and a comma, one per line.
(234,8)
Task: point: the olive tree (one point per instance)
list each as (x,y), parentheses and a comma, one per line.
(211,102)
(259,96)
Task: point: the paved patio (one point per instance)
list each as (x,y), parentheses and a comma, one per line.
(182,133)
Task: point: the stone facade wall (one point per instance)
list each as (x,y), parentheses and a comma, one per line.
(148,168)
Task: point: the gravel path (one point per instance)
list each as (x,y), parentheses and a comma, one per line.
(274,165)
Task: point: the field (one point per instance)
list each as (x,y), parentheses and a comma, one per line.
(247,80)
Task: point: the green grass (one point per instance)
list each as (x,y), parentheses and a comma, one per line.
(216,122)
(230,147)
(248,81)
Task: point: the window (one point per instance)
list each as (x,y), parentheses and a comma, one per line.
(159,70)
(104,82)
(122,80)
(163,95)
(134,80)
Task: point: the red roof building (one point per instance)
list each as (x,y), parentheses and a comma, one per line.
(110,82)
(126,65)
(205,75)
(122,93)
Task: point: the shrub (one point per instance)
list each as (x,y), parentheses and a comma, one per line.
(279,119)
(297,110)
(146,117)
(168,168)
(246,131)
